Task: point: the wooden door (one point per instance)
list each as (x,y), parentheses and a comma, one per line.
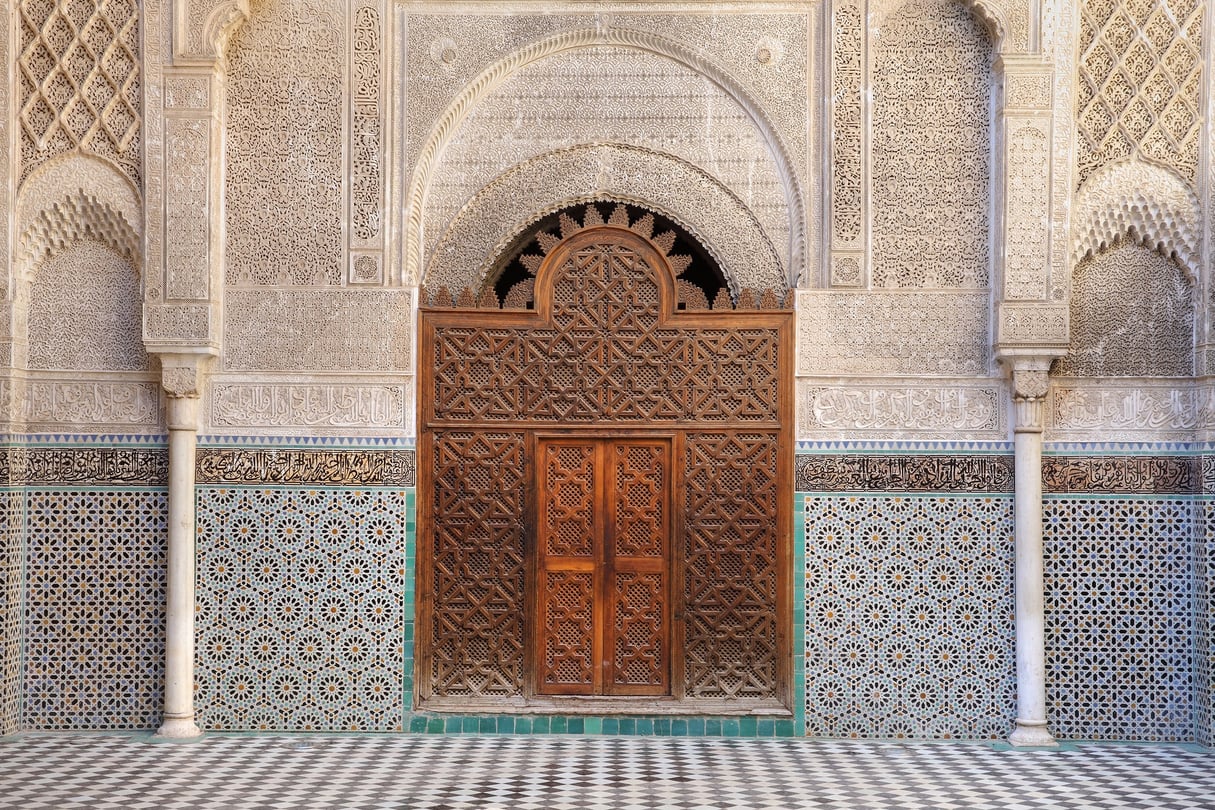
(603,577)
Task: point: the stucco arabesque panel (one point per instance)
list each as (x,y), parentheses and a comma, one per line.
(430,155)
(887,333)
(450,43)
(674,188)
(321,330)
(332,404)
(1141,410)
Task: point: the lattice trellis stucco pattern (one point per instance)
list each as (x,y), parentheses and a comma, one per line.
(1140,85)
(79,76)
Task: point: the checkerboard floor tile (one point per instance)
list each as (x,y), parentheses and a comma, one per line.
(590,773)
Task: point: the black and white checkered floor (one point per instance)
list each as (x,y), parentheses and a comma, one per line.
(589,773)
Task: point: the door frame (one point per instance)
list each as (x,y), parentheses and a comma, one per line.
(673,560)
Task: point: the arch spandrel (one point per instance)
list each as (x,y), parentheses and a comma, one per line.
(430,157)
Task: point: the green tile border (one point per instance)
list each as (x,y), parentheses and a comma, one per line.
(799,613)
(630,725)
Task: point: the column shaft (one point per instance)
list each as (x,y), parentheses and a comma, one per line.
(179,617)
(1029,601)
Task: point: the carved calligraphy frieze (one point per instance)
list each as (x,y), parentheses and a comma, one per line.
(1120,474)
(301,405)
(947,411)
(367,467)
(40,466)
(890,473)
(1091,412)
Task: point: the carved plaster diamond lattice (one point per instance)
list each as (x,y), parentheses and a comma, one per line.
(1140,85)
(79,80)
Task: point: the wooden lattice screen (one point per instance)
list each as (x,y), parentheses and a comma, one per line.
(603,361)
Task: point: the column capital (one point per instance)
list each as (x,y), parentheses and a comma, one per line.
(182,374)
(1030,377)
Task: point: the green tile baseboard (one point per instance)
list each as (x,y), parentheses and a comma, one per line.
(612,726)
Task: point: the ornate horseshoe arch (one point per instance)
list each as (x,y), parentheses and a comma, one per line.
(605,484)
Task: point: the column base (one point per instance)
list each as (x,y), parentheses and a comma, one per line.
(177,728)
(1032,733)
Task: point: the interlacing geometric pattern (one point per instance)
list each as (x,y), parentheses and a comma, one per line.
(1119,618)
(1140,88)
(605,357)
(1204,626)
(94,608)
(730,576)
(300,608)
(909,617)
(79,79)
(477,563)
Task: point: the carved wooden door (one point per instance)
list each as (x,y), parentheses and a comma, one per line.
(603,607)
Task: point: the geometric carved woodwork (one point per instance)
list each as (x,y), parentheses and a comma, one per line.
(657,449)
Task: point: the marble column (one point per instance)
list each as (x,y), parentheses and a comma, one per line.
(1029,394)
(180,379)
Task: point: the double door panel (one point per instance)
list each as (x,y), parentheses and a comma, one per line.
(603,574)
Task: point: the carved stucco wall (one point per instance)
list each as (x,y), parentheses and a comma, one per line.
(78,363)
(1137,244)
(285,129)
(610,95)
(1140,88)
(910,201)
(931,152)
(312,342)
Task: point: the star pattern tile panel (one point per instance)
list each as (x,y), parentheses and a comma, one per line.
(301,601)
(909,630)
